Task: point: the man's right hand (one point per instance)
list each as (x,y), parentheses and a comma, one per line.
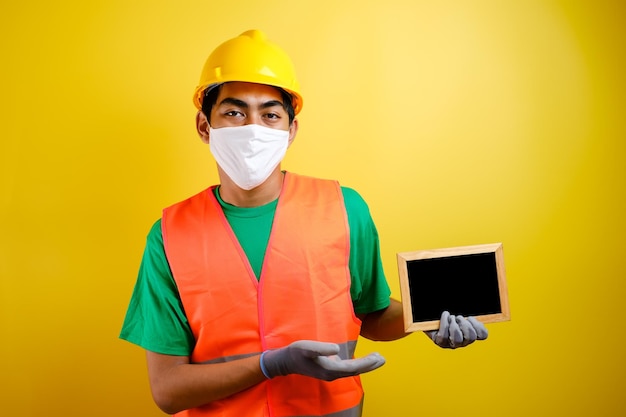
(316,359)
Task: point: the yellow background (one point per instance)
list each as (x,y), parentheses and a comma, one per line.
(460,122)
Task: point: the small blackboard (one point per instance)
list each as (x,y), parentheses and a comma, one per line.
(464,280)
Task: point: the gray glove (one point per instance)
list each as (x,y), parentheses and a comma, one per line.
(457,331)
(315,359)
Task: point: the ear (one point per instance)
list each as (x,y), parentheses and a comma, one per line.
(293,129)
(202,126)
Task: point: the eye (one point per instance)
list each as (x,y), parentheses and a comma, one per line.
(233,113)
(272,116)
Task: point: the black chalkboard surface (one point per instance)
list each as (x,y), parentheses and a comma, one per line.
(465,280)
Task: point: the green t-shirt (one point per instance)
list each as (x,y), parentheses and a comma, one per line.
(156,320)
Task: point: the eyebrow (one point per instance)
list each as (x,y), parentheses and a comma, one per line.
(244,105)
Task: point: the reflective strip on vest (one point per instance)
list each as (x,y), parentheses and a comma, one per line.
(346,351)
(303,294)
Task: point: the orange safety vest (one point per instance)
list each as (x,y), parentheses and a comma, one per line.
(303,294)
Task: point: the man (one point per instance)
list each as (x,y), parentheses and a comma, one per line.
(252,294)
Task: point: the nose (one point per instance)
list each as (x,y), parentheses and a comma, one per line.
(253,118)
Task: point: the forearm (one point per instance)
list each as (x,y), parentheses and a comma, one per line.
(178,385)
(384,325)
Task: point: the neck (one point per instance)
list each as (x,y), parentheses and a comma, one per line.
(261,195)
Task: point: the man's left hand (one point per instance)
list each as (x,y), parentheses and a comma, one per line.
(457,331)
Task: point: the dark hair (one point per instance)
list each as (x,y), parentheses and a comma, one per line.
(210,98)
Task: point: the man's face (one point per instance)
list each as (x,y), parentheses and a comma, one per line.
(240,103)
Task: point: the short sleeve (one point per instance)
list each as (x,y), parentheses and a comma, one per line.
(155,319)
(370,291)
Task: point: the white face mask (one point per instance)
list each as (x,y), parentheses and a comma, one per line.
(248,154)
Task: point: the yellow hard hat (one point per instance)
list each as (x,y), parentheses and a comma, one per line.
(249,57)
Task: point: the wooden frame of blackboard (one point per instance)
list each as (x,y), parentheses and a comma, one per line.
(464,280)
